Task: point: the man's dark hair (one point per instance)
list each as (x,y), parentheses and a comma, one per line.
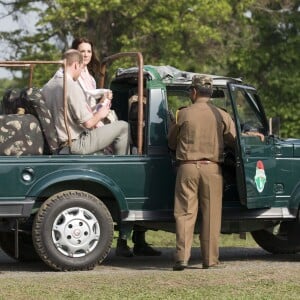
(204,91)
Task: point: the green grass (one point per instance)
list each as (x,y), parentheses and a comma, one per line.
(166,239)
(193,284)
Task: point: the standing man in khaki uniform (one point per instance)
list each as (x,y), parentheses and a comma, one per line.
(198,136)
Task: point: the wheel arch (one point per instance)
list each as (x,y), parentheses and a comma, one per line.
(92,182)
(73,230)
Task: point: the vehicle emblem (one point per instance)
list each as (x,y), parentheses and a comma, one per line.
(260,176)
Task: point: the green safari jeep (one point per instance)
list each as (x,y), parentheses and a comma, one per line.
(63,208)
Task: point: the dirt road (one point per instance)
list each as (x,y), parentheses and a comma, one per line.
(235,258)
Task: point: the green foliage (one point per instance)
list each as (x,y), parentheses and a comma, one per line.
(164,239)
(5,84)
(42,73)
(257,40)
(269,59)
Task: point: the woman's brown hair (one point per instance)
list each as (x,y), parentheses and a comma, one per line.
(94,64)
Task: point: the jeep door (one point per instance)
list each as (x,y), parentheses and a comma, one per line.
(255,160)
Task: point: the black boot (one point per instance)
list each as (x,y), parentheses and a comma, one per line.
(141,248)
(122,249)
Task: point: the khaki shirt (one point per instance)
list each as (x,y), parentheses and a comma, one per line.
(78,109)
(200,132)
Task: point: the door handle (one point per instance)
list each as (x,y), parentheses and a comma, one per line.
(247,150)
(277,150)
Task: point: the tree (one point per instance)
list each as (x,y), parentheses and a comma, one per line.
(166,32)
(269,58)
(253,39)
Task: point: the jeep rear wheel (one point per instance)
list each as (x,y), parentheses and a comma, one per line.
(73,230)
(280,239)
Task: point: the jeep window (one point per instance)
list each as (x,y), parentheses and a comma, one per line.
(220,98)
(157,126)
(178,99)
(248,111)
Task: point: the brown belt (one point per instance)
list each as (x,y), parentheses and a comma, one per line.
(200,161)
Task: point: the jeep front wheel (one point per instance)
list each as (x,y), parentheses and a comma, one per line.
(280,239)
(73,230)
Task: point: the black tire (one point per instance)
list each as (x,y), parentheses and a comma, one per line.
(27,251)
(73,230)
(280,239)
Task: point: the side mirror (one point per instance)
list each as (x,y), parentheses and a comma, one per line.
(274,125)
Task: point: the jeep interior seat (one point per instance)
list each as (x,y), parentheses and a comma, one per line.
(30,101)
(133,120)
(11,101)
(34,104)
(20,135)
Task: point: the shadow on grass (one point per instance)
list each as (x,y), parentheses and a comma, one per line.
(227,255)
(231,256)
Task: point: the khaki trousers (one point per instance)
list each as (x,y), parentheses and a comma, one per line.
(116,134)
(198,183)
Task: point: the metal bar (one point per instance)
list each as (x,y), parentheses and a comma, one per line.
(140,63)
(140,103)
(28,64)
(14,65)
(20,63)
(17,239)
(31,75)
(66,104)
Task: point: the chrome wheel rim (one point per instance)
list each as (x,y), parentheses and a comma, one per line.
(75,232)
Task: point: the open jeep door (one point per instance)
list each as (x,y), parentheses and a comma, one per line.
(255,159)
